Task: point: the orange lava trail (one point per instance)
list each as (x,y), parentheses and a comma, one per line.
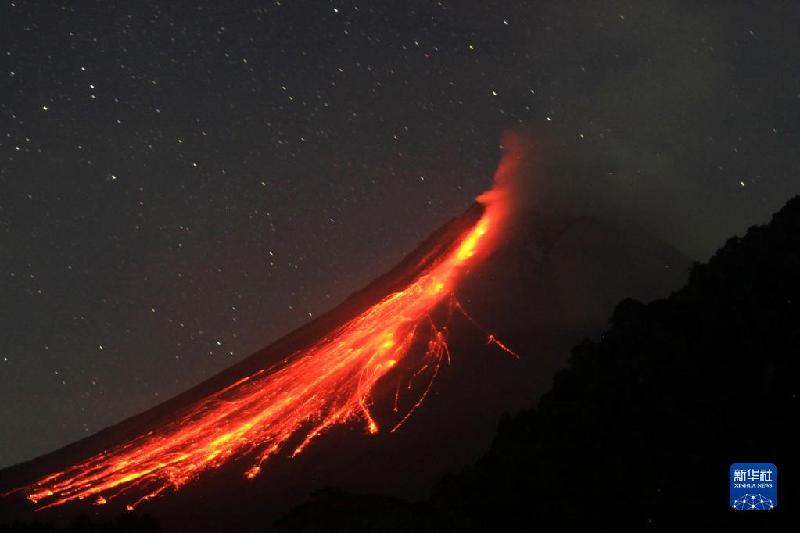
(324,385)
(490,337)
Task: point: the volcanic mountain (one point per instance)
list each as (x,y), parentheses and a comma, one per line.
(494,332)
(641,430)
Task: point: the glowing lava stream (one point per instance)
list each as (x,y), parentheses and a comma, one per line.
(326,384)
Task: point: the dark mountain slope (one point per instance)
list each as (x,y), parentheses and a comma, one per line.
(640,431)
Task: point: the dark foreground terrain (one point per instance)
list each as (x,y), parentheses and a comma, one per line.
(638,433)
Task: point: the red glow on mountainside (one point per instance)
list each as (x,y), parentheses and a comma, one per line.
(329,383)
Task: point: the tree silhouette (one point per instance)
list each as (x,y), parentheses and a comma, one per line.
(638,433)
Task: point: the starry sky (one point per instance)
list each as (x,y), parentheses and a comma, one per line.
(182,183)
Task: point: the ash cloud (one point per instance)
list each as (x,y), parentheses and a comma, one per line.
(680,117)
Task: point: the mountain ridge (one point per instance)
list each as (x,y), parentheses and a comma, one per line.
(640,429)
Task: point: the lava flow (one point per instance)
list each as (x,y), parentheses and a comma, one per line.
(328,383)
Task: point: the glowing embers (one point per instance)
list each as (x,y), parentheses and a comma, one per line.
(329,383)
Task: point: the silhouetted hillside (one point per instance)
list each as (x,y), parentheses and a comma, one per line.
(638,433)
(123,523)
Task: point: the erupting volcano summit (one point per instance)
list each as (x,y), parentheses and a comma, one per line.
(289,403)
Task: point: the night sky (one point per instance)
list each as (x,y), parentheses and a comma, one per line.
(181,184)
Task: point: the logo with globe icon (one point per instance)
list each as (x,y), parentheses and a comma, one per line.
(750,502)
(754,486)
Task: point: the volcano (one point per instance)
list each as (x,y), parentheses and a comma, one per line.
(399,384)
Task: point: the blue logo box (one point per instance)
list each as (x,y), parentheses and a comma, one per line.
(754,486)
